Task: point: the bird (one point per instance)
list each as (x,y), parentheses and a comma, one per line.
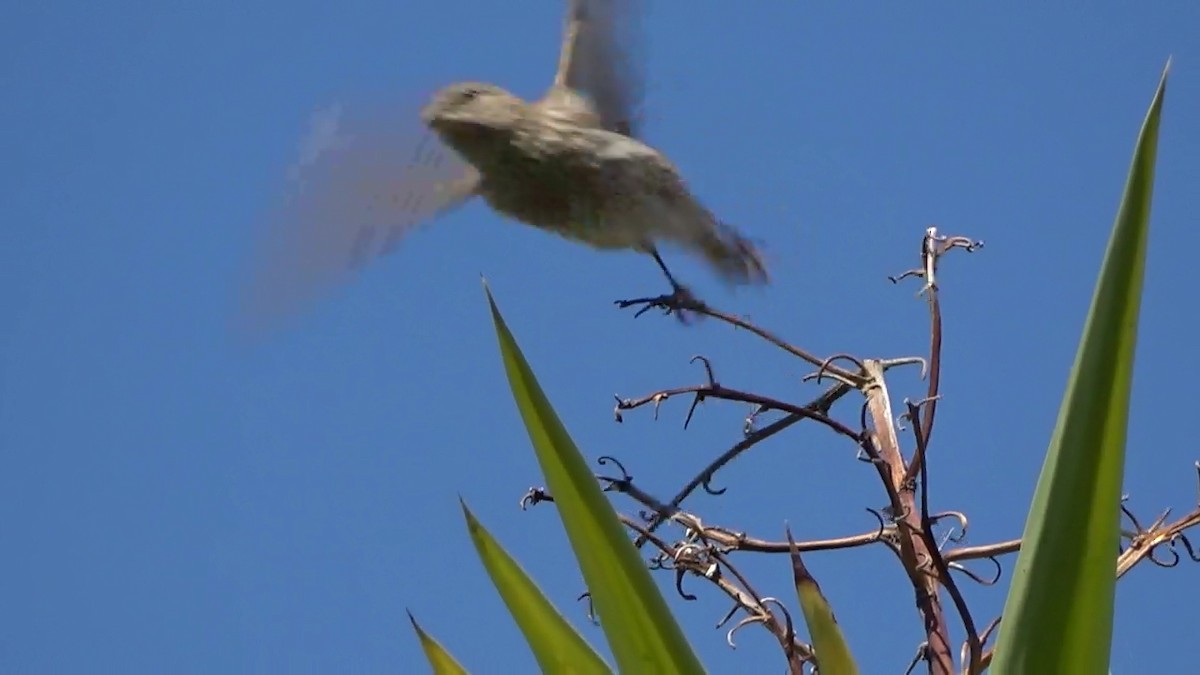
(572,163)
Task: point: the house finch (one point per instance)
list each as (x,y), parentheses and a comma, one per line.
(570,163)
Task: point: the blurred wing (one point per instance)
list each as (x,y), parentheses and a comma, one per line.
(599,58)
(361,184)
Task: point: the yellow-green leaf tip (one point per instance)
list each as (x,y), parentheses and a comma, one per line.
(472,521)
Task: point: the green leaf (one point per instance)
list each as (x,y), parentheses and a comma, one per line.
(556,645)
(1059,612)
(641,631)
(439,659)
(833,654)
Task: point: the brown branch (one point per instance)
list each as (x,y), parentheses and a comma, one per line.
(1145,541)
(913,549)
(820,404)
(935,555)
(1142,542)
(983,551)
(718,391)
(684,559)
(731,540)
(933,247)
(687,303)
(1144,547)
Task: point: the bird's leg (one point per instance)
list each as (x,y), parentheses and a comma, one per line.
(677,302)
(679,288)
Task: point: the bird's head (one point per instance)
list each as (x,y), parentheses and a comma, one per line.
(471,107)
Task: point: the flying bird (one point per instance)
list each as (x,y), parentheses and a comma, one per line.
(571,163)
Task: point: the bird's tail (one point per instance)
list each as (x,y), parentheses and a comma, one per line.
(733,256)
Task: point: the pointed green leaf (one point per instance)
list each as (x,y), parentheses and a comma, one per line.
(1058,616)
(641,631)
(556,644)
(439,659)
(833,654)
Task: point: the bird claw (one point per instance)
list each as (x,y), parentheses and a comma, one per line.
(678,302)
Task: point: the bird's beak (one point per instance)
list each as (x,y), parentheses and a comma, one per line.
(429,115)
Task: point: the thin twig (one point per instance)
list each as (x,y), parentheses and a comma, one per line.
(935,555)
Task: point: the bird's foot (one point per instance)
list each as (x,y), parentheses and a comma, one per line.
(680,302)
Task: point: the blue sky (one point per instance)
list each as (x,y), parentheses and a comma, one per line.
(172,500)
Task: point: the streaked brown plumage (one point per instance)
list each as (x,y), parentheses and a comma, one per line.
(581,182)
